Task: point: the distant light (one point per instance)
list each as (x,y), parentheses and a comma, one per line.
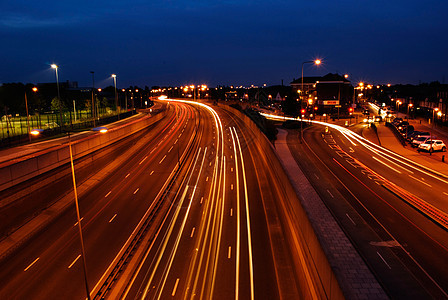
(100,129)
(163,97)
(114,76)
(36,131)
(317,61)
(34,89)
(346,76)
(99,90)
(54,66)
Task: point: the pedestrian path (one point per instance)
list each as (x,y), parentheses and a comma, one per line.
(385,137)
(355,278)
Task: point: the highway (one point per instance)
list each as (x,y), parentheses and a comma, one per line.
(393,210)
(184,217)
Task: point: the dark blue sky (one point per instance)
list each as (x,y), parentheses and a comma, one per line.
(222,42)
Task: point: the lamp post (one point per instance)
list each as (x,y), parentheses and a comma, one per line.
(27,114)
(83,254)
(56,67)
(316,62)
(115,87)
(433,116)
(93,97)
(409,105)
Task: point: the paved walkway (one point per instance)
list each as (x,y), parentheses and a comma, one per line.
(388,140)
(355,278)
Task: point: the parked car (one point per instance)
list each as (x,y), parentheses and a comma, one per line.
(415,134)
(420,140)
(397,121)
(432,145)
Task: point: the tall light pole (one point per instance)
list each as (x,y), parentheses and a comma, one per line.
(56,67)
(433,116)
(115,86)
(316,62)
(83,253)
(93,96)
(409,105)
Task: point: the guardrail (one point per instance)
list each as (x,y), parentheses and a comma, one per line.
(19,170)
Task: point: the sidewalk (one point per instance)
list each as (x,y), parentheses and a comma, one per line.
(355,278)
(388,140)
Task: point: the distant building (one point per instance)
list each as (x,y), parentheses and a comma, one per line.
(326,92)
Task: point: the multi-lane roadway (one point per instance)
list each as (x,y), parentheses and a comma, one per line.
(184,216)
(393,209)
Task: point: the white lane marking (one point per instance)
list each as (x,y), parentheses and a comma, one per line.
(317,177)
(77,222)
(231,169)
(180,135)
(399,172)
(445,193)
(175,287)
(76,259)
(350,219)
(26,269)
(421,181)
(330,193)
(206,179)
(231,212)
(175,141)
(170,149)
(143,160)
(202,199)
(192,232)
(229,252)
(231,186)
(384,260)
(135,192)
(162,160)
(110,221)
(128,175)
(152,172)
(107,194)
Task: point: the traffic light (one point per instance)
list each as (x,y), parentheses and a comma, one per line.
(315,107)
(350,110)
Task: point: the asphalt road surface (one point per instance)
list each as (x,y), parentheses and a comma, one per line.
(198,183)
(387,205)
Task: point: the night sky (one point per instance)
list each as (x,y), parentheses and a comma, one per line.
(222,42)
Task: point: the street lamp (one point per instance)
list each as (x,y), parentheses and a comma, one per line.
(27,114)
(56,67)
(316,62)
(433,117)
(93,96)
(409,105)
(115,86)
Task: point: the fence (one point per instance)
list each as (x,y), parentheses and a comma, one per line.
(14,130)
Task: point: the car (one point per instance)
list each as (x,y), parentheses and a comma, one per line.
(397,121)
(415,134)
(420,140)
(432,145)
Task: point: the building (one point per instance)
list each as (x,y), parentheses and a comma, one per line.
(325,92)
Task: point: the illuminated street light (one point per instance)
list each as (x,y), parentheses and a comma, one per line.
(316,62)
(115,85)
(27,114)
(93,96)
(56,67)
(433,115)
